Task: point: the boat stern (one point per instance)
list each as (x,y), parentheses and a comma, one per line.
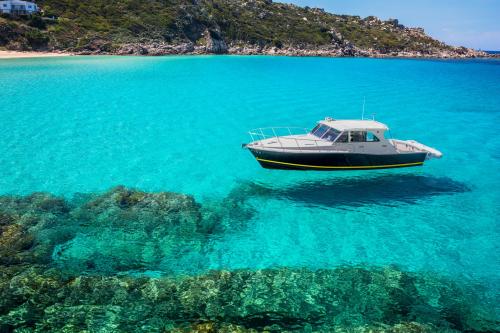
(415,146)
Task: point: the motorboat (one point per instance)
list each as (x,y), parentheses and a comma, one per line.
(336,145)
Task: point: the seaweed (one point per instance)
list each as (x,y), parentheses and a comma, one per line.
(89,264)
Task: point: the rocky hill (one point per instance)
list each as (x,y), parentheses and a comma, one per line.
(158,27)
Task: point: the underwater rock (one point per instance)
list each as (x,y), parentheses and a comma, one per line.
(14,243)
(342,299)
(36,203)
(128,230)
(228,215)
(120,230)
(18,241)
(211,327)
(26,227)
(88,265)
(25,292)
(34,212)
(122,207)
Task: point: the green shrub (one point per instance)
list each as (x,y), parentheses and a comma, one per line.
(260,22)
(36,39)
(36,21)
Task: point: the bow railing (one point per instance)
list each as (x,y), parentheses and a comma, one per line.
(291,138)
(276,132)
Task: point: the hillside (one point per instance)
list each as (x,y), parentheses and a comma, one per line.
(158,27)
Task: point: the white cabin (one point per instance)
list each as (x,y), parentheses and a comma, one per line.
(18,7)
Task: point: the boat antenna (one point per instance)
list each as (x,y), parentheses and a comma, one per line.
(363,113)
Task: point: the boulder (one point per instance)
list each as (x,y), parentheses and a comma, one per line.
(214,42)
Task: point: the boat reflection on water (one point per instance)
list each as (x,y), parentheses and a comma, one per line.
(388,189)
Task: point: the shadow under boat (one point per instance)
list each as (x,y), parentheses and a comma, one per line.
(357,191)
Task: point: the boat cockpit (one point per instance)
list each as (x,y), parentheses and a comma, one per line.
(327,133)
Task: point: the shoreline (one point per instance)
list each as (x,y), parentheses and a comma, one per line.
(7,54)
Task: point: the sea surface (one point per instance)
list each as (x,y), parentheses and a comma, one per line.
(86,124)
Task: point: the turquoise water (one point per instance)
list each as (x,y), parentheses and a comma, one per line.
(85,124)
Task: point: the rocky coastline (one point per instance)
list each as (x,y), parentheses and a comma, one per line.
(211,41)
(220,48)
(158,50)
(257,27)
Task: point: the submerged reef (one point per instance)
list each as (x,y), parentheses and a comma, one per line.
(109,263)
(45,299)
(121,230)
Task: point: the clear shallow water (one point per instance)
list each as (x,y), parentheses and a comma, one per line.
(84,124)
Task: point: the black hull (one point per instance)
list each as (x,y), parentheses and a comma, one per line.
(335,161)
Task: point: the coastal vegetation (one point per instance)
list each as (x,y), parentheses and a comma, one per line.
(212,26)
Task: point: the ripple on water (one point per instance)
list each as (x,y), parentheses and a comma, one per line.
(177,124)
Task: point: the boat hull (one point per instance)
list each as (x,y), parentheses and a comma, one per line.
(335,161)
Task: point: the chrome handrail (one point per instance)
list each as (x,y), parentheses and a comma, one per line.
(273,129)
(260,133)
(271,133)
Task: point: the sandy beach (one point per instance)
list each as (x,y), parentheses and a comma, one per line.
(29,54)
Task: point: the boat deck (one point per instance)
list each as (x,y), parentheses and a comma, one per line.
(411,146)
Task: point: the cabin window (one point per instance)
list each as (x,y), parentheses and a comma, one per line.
(357,136)
(370,137)
(362,136)
(331,135)
(344,137)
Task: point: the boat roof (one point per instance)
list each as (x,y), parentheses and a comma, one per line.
(346,125)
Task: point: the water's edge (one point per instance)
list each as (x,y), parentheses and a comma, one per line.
(47,54)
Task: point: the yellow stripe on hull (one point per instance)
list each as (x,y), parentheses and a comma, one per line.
(343,167)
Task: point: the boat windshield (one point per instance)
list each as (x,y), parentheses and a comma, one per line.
(331,135)
(319,130)
(325,132)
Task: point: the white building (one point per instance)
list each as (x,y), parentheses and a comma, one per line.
(18,7)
